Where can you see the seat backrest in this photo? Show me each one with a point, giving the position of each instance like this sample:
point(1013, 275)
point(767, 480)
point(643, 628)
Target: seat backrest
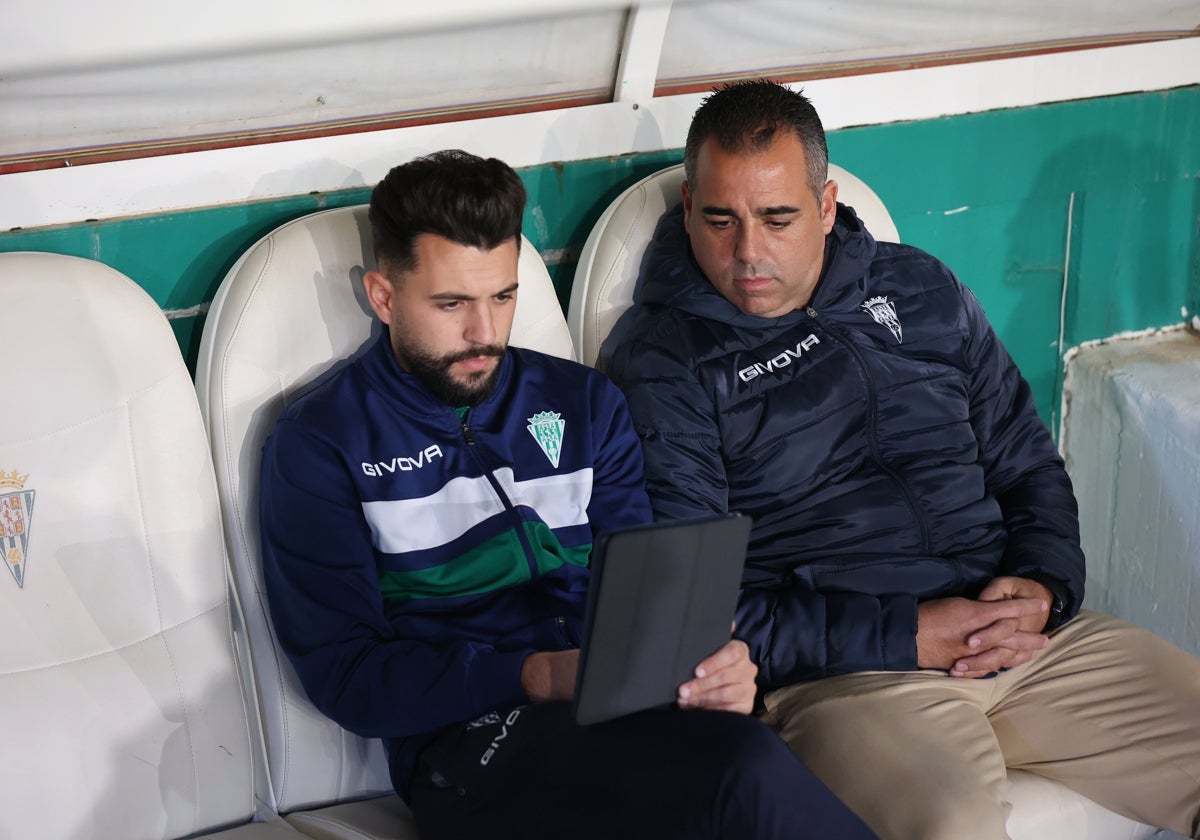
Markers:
point(123, 714)
point(290, 309)
point(612, 255)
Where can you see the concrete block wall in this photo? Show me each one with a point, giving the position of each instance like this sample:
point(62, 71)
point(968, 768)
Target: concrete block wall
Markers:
point(1131, 438)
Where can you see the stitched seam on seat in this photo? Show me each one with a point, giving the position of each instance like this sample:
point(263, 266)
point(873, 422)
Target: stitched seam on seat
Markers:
point(115, 650)
point(141, 512)
point(608, 275)
point(121, 406)
point(330, 821)
point(281, 785)
point(230, 462)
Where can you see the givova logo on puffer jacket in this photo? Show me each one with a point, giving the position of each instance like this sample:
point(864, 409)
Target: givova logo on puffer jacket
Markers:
point(776, 362)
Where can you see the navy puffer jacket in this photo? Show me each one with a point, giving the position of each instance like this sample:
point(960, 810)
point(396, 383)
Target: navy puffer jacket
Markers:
point(886, 458)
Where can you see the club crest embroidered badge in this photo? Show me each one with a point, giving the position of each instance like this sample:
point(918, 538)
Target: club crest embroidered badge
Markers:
point(547, 429)
point(16, 516)
point(884, 313)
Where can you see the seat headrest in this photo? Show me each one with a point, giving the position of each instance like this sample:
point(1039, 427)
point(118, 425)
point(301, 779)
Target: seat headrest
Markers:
point(300, 305)
point(79, 330)
point(612, 255)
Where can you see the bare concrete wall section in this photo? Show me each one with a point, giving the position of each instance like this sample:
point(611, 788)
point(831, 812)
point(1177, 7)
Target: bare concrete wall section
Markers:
point(1131, 439)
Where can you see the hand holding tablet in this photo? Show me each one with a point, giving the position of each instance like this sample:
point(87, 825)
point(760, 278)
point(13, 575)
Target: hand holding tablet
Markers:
point(661, 600)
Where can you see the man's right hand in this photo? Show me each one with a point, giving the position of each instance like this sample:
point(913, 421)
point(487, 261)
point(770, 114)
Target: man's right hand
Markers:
point(989, 632)
point(550, 675)
point(723, 681)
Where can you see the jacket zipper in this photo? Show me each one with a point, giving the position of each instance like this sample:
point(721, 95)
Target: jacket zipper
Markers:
point(872, 440)
point(530, 559)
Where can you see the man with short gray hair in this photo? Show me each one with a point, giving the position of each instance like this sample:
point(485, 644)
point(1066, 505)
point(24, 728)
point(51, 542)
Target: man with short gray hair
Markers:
point(913, 584)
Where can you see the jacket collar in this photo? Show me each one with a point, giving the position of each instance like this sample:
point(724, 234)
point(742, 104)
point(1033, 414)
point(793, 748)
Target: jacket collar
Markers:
point(671, 276)
point(385, 373)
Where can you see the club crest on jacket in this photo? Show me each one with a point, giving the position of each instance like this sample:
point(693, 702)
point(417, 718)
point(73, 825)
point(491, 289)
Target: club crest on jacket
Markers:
point(547, 429)
point(884, 313)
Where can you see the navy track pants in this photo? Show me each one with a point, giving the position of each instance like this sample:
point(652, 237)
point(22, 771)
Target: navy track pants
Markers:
point(531, 772)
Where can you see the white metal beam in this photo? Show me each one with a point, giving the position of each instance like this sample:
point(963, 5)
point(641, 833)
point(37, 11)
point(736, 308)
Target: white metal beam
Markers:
point(228, 176)
point(637, 70)
point(55, 35)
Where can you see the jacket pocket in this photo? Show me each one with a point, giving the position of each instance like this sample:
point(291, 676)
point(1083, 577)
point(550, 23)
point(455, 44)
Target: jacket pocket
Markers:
point(925, 577)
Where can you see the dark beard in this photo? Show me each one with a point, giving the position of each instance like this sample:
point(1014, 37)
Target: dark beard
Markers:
point(434, 373)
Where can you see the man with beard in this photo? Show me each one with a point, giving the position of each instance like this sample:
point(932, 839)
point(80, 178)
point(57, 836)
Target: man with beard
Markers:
point(427, 515)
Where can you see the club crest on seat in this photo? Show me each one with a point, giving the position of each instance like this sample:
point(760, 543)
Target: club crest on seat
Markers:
point(16, 516)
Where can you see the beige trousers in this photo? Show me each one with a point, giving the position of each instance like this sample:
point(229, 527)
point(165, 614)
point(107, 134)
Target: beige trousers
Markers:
point(1107, 709)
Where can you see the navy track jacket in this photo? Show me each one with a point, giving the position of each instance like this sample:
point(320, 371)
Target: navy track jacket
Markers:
point(882, 438)
point(412, 560)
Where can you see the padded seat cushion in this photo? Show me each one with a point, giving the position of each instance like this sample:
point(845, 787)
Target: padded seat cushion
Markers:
point(123, 711)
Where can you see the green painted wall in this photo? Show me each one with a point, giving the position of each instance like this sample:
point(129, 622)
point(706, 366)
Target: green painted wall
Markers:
point(1126, 172)
point(1002, 197)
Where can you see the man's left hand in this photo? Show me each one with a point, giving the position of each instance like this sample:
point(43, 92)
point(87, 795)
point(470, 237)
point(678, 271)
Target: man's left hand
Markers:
point(1015, 587)
point(723, 681)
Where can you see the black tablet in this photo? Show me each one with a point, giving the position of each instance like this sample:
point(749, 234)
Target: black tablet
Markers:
point(661, 599)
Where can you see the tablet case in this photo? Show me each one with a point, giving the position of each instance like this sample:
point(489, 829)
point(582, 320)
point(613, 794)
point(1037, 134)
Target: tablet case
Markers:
point(661, 599)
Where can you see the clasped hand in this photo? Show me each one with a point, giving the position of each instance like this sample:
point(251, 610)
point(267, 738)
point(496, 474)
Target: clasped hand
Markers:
point(1000, 629)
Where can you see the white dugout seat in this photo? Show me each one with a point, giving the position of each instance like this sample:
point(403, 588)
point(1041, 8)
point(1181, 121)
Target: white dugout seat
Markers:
point(612, 255)
point(123, 712)
point(603, 290)
point(291, 308)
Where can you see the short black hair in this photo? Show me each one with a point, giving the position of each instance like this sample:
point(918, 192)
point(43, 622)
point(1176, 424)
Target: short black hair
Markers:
point(747, 116)
point(453, 194)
